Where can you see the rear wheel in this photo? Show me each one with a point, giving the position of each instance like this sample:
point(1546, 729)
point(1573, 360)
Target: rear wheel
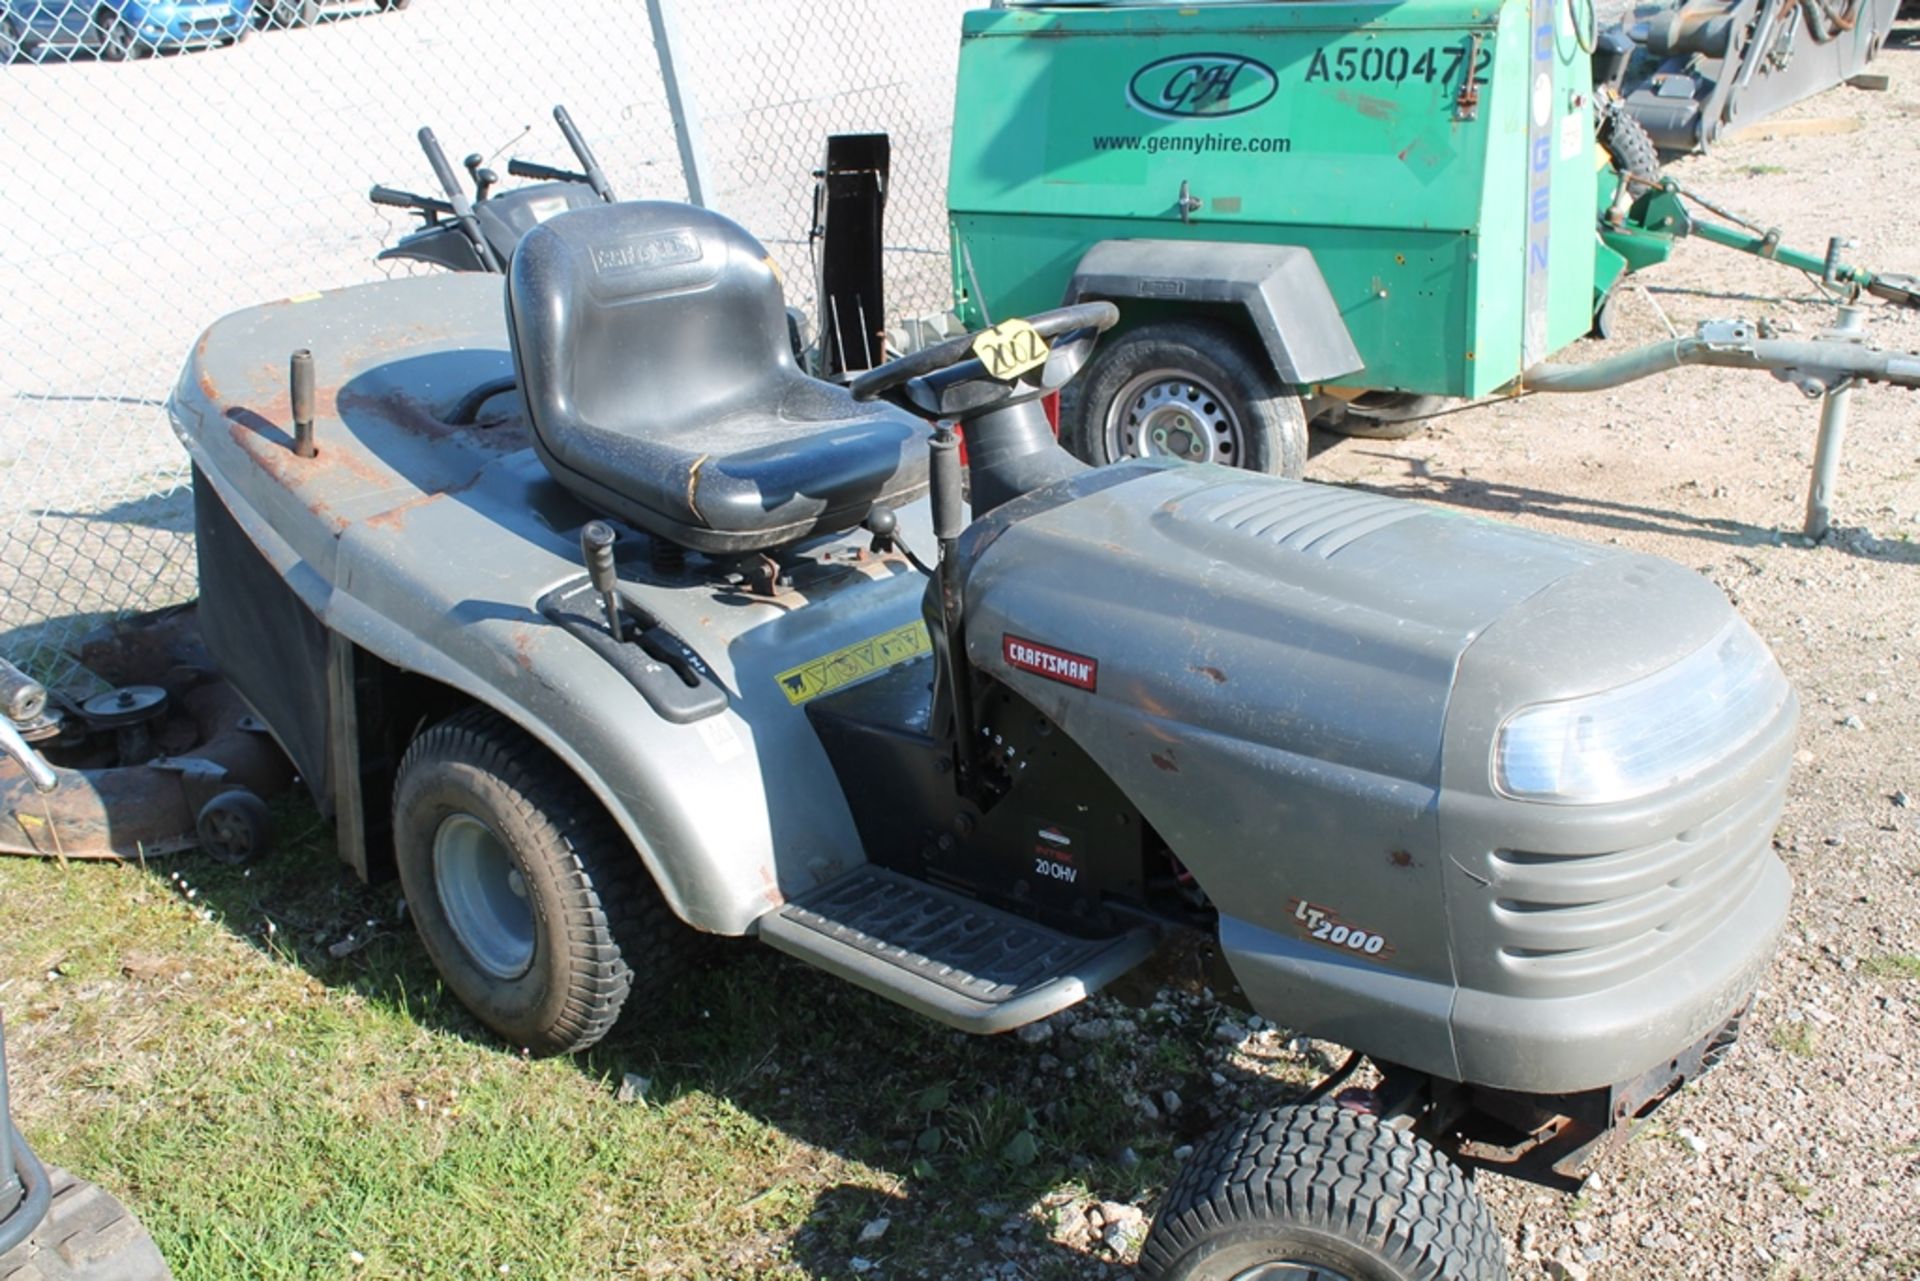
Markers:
point(1193, 390)
point(534, 907)
point(1318, 1193)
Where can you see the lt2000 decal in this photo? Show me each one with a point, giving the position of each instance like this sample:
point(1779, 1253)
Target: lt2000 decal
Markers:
point(1323, 925)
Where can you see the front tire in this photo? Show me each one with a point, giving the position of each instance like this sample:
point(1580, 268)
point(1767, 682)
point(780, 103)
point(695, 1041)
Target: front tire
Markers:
point(1198, 391)
point(535, 908)
point(1327, 1191)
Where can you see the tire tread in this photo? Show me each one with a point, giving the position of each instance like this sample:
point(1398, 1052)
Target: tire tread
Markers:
point(1319, 1166)
point(624, 941)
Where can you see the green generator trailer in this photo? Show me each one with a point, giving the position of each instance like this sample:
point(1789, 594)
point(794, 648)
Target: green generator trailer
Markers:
point(1305, 210)
point(1429, 167)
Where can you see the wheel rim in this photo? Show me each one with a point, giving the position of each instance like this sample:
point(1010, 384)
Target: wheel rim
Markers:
point(484, 896)
point(1169, 413)
point(1288, 1270)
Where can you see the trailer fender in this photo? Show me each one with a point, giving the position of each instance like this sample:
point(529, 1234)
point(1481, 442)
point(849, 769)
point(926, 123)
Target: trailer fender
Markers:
point(1279, 287)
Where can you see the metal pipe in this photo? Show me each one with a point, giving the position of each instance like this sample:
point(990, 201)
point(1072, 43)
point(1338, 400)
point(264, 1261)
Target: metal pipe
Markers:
point(668, 45)
point(23, 1172)
point(1833, 433)
point(22, 698)
point(30, 760)
point(1824, 362)
point(300, 395)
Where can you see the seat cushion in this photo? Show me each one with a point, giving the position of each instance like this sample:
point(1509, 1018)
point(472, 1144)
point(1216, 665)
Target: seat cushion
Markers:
point(650, 342)
point(818, 462)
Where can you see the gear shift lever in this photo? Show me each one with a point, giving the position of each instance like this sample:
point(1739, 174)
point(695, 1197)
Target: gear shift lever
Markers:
point(596, 548)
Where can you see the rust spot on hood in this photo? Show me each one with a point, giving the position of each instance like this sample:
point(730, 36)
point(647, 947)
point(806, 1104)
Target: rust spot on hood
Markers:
point(1166, 762)
point(1213, 674)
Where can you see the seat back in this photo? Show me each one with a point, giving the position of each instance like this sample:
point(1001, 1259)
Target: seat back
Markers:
point(646, 308)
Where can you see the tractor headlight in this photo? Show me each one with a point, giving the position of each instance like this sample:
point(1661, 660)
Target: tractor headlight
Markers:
point(1640, 737)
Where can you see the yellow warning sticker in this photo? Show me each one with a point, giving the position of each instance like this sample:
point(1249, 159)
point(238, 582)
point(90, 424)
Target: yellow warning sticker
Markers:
point(856, 662)
point(1010, 349)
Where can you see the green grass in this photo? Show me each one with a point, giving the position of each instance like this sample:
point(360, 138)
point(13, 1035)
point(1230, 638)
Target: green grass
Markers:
point(1900, 965)
point(1795, 1038)
point(271, 1110)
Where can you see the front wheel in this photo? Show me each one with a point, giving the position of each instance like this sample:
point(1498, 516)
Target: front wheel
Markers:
point(1318, 1192)
point(1196, 391)
point(535, 908)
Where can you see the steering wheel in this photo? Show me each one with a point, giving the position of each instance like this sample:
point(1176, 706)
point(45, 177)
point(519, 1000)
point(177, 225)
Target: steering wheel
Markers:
point(1097, 316)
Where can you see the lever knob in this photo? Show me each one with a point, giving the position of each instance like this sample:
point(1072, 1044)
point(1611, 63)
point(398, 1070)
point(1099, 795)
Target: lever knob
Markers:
point(882, 522)
point(596, 549)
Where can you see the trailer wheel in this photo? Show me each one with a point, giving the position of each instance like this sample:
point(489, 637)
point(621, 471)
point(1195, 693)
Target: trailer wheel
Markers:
point(535, 908)
point(1186, 389)
point(1316, 1191)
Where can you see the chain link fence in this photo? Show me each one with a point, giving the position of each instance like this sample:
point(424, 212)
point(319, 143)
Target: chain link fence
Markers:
point(152, 185)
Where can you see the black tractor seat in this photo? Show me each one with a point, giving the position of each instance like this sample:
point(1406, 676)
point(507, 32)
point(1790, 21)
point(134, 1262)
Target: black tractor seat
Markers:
point(650, 342)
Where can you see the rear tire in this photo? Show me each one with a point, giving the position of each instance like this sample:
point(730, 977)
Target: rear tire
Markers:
point(1322, 1187)
point(1190, 389)
point(535, 908)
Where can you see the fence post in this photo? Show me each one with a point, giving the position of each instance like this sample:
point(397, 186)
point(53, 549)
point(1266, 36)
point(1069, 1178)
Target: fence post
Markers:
point(686, 116)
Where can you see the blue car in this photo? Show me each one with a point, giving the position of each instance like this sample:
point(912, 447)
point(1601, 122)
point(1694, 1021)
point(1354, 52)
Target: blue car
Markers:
point(117, 29)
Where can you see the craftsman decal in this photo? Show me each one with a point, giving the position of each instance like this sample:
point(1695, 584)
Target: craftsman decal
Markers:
point(1323, 925)
point(1201, 84)
point(856, 662)
point(1060, 665)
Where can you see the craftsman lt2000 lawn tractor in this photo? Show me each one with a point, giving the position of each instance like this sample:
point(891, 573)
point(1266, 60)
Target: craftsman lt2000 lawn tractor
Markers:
point(606, 622)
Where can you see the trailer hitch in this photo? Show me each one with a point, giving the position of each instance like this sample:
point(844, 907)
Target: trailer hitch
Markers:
point(1824, 368)
point(1661, 210)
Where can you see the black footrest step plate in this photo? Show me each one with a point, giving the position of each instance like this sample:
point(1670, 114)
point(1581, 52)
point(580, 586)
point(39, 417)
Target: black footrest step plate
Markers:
point(969, 965)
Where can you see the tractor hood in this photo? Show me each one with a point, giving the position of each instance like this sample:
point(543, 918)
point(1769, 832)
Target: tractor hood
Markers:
point(1302, 688)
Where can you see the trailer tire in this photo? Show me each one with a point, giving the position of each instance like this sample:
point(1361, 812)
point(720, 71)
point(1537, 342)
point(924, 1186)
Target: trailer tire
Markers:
point(1229, 405)
point(1629, 143)
point(533, 905)
point(1323, 1187)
